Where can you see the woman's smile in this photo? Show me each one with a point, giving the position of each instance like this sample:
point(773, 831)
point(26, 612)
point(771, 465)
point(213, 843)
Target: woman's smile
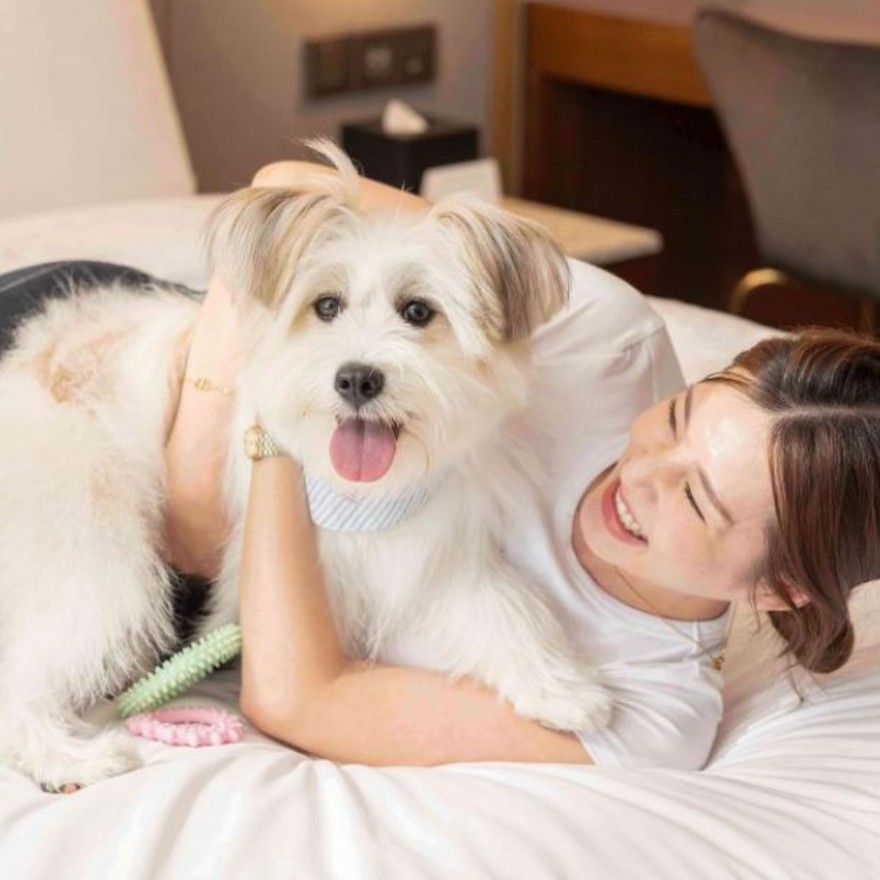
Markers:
point(618, 517)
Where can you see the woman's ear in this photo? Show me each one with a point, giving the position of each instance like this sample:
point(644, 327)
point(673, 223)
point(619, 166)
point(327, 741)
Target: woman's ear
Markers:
point(767, 599)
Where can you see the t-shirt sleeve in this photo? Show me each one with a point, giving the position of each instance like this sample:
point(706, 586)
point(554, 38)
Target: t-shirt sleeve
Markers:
point(666, 717)
point(598, 364)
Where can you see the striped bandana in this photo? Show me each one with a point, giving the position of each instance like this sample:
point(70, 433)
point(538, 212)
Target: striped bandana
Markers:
point(333, 510)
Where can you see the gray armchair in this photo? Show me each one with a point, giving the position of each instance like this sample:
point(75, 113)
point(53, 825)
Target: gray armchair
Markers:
point(802, 117)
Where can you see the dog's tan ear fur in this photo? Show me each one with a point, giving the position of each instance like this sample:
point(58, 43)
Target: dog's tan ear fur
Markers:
point(256, 236)
point(513, 260)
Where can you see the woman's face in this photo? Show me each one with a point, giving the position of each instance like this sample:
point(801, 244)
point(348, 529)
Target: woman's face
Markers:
point(686, 507)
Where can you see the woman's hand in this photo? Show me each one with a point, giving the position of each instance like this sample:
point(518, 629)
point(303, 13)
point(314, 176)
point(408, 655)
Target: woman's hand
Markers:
point(196, 525)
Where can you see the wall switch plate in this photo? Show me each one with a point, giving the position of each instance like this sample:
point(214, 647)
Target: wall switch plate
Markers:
point(370, 60)
point(328, 67)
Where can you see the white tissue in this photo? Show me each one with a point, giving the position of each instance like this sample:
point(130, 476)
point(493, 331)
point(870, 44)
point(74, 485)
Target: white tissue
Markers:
point(400, 118)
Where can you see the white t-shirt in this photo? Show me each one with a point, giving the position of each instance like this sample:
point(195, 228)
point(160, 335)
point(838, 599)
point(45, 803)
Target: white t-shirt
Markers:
point(599, 364)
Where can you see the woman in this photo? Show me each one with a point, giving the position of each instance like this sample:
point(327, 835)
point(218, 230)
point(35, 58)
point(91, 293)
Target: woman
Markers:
point(759, 486)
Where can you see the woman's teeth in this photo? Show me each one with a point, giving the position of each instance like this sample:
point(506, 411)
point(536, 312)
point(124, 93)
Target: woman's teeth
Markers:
point(626, 518)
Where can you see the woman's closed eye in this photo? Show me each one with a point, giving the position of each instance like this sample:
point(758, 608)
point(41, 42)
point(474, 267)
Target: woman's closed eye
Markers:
point(673, 426)
point(673, 422)
point(690, 497)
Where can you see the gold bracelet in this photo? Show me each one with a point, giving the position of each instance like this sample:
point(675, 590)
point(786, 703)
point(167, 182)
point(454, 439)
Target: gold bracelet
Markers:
point(200, 383)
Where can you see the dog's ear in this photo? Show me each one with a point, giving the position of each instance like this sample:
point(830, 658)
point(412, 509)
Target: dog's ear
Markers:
point(256, 236)
point(514, 260)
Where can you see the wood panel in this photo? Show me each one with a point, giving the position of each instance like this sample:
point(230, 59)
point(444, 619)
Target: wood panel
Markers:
point(651, 163)
point(639, 147)
point(506, 76)
point(627, 55)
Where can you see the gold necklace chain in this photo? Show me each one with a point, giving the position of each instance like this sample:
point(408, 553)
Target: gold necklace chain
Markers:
point(717, 659)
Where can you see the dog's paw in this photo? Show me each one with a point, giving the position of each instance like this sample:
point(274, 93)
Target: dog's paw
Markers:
point(81, 762)
point(569, 706)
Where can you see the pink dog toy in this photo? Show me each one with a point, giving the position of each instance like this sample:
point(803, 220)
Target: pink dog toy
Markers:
point(187, 726)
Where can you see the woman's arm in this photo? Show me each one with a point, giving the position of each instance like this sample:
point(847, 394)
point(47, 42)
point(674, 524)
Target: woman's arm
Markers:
point(298, 685)
point(196, 525)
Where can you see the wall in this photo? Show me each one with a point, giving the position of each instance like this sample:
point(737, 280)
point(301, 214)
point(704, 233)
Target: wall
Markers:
point(237, 71)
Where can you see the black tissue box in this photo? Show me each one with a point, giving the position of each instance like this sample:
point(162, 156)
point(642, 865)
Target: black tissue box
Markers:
point(400, 159)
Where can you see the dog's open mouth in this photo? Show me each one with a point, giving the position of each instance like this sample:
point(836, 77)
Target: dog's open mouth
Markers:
point(363, 450)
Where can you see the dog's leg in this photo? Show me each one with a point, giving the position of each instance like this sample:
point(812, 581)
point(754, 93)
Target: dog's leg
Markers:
point(504, 635)
point(84, 597)
point(68, 642)
point(59, 658)
point(78, 631)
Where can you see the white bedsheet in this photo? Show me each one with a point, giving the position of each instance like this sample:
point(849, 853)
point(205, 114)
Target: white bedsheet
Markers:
point(791, 791)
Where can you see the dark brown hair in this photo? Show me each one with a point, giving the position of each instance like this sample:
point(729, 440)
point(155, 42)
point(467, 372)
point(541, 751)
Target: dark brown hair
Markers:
point(822, 389)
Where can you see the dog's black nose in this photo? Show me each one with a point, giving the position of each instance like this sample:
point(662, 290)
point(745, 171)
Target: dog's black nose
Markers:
point(359, 383)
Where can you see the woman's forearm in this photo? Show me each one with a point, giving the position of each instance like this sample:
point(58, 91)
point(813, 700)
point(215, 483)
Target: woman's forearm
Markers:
point(291, 649)
point(195, 450)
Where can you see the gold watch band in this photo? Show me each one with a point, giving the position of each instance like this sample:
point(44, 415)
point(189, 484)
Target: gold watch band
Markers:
point(259, 444)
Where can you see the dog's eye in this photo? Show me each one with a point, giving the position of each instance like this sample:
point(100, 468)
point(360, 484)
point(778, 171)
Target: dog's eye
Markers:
point(417, 313)
point(327, 307)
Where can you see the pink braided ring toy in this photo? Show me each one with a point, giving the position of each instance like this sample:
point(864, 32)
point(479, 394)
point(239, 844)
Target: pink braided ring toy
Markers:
point(187, 726)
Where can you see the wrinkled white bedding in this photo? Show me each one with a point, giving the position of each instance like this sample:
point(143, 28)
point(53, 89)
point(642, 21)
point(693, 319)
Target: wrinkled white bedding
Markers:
point(791, 791)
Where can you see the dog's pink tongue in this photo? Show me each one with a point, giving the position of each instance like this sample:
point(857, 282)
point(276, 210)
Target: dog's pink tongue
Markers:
point(362, 451)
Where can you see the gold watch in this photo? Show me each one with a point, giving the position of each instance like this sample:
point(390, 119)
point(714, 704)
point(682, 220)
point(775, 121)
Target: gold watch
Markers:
point(259, 444)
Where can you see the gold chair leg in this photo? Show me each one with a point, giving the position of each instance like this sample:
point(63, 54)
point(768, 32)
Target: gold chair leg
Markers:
point(749, 283)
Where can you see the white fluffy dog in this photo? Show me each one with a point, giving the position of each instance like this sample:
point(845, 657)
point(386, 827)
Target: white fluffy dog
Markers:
point(386, 352)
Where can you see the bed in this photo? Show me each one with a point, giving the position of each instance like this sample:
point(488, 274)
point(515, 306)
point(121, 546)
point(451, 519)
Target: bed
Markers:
point(791, 790)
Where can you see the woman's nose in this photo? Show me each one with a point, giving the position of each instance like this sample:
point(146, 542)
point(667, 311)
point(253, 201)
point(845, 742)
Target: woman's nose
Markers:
point(646, 471)
point(642, 465)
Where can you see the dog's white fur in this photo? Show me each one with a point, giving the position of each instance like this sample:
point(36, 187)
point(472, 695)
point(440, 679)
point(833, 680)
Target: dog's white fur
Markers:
point(84, 594)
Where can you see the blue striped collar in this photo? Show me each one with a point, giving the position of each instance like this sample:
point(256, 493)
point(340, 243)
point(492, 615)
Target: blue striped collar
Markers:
point(338, 512)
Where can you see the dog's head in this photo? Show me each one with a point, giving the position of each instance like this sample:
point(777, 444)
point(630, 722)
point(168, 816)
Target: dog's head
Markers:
point(382, 345)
